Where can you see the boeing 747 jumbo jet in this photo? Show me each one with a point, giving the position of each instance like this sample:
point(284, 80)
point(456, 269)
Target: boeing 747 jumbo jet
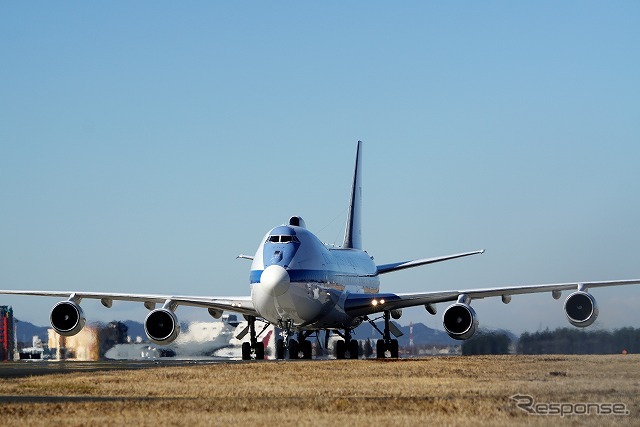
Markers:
point(304, 286)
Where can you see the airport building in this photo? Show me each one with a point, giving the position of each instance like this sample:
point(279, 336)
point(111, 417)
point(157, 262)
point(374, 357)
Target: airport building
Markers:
point(7, 334)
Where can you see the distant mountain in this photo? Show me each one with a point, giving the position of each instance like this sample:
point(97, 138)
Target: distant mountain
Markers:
point(422, 334)
point(25, 332)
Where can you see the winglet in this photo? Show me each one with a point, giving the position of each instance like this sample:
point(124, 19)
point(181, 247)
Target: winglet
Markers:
point(353, 231)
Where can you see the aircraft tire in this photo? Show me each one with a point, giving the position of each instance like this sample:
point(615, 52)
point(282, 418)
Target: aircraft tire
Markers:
point(306, 349)
point(340, 349)
point(280, 349)
point(246, 351)
point(293, 349)
point(354, 349)
point(393, 348)
point(380, 349)
point(259, 351)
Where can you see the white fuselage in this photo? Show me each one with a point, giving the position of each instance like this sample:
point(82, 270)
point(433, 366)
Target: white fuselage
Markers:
point(297, 279)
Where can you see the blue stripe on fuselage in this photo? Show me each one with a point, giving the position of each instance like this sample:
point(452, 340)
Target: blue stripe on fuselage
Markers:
point(321, 276)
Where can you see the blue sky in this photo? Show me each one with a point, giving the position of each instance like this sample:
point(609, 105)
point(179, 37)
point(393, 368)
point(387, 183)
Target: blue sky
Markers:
point(143, 146)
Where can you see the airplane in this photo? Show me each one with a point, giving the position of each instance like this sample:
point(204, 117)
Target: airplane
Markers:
point(202, 340)
point(304, 286)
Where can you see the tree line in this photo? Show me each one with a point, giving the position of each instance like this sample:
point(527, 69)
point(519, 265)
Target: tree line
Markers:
point(559, 341)
point(578, 341)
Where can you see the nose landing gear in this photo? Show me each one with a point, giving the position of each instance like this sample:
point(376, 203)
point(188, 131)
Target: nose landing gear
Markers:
point(294, 349)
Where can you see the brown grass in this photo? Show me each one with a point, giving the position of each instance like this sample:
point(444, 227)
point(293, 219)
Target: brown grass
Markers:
point(439, 390)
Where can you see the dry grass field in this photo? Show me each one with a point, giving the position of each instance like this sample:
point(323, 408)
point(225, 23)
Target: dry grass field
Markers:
point(437, 391)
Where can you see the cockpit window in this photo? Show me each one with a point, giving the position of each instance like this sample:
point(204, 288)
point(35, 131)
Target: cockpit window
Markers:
point(283, 239)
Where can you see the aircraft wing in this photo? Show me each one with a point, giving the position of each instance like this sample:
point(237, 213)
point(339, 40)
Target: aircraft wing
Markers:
point(242, 305)
point(363, 304)
point(388, 268)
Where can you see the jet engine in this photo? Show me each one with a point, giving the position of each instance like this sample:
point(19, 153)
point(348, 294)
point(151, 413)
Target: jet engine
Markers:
point(581, 309)
point(460, 321)
point(67, 318)
point(161, 326)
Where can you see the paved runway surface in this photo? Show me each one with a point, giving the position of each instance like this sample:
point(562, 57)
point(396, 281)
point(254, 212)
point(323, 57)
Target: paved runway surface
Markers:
point(25, 369)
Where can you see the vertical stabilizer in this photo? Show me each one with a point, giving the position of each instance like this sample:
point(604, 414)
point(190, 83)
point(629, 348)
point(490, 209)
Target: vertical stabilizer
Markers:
point(353, 232)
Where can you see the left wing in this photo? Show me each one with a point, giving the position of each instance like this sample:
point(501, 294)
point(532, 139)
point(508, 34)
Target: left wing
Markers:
point(241, 305)
point(363, 304)
point(388, 268)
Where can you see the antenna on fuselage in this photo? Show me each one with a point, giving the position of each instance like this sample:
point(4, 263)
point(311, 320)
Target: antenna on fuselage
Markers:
point(353, 231)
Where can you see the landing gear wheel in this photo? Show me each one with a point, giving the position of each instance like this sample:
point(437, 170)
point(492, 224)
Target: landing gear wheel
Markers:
point(306, 349)
point(383, 347)
point(280, 349)
point(259, 351)
point(393, 348)
point(293, 349)
point(340, 349)
point(353, 349)
point(380, 349)
point(246, 351)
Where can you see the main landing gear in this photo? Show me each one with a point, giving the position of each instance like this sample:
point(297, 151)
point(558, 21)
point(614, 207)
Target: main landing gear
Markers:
point(387, 348)
point(347, 348)
point(252, 349)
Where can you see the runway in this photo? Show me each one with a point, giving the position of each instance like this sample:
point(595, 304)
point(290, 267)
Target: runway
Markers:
point(37, 368)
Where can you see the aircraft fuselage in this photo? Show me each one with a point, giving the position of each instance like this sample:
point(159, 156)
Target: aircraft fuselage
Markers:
point(298, 279)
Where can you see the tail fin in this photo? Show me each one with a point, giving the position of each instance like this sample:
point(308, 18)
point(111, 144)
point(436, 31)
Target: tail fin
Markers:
point(353, 232)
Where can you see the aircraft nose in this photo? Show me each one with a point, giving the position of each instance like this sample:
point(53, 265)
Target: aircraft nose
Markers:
point(275, 280)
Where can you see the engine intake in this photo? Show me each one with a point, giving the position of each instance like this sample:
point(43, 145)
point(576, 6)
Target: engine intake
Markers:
point(581, 309)
point(67, 318)
point(460, 321)
point(161, 326)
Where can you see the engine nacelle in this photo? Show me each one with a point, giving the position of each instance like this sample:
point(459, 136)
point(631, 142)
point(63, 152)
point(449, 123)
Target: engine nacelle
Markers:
point(460, 321)
point(581, 309)
point(161, 326)
point(67, 318)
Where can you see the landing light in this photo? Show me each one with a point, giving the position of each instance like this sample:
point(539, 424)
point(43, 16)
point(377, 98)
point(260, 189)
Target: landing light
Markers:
point(375, 302)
